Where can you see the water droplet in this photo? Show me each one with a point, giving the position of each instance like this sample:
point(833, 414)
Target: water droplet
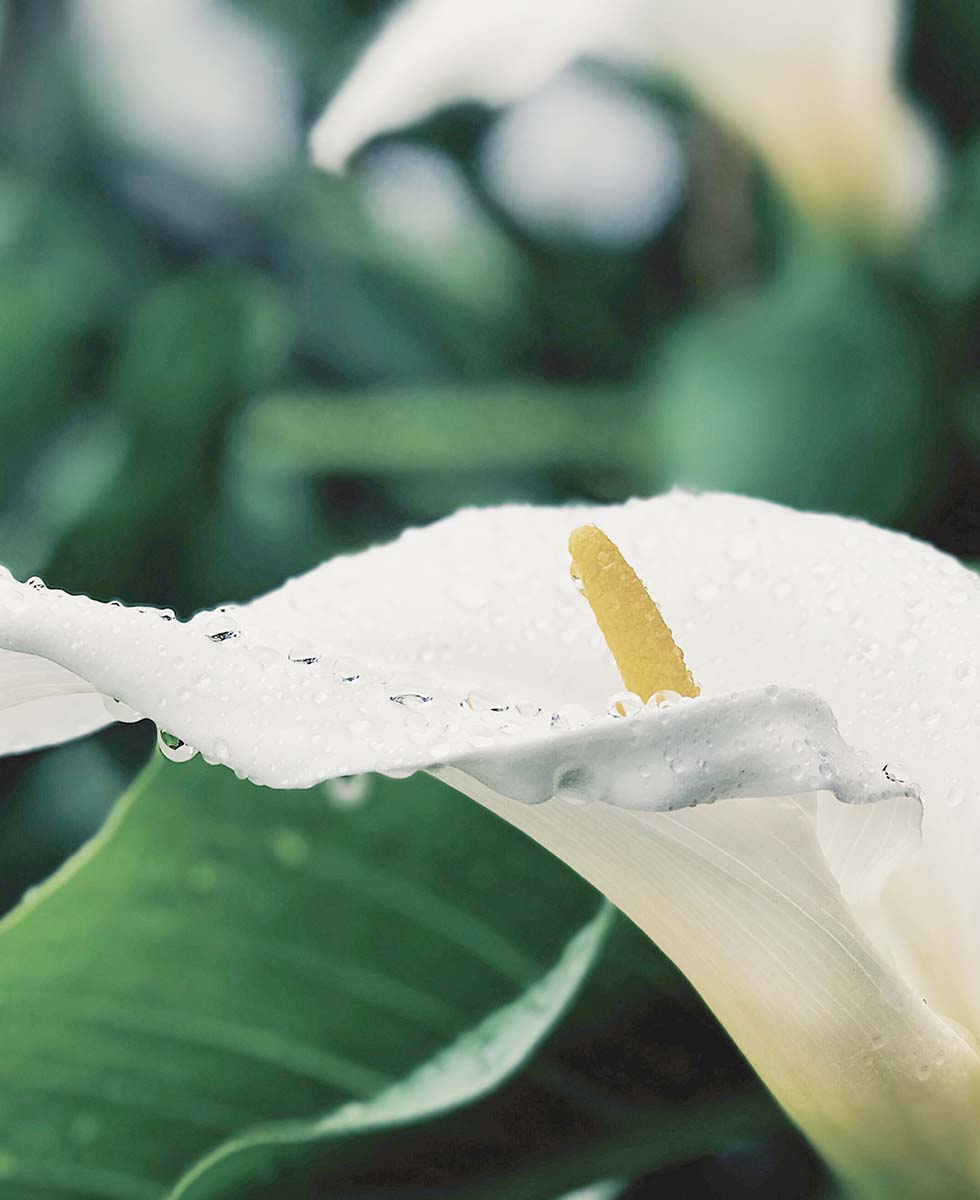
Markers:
point(223, 627)
point(304, 657)
point(411, 699)
point(570, 716)
point(120, 711)
point(289, 847)
point(676, 764)
point(896, 772)
point(664, 699)
point(173, 747)
point(527, 711)
point(483, 702)
point(624, 704)
point(346, 670)
point(966, 674)
point(202, 682)
point(956, 795)
point(37, 583)
point(923, 1071)
point(931, 717)
point(167, 614)
point(348, 791)
point(219, 750)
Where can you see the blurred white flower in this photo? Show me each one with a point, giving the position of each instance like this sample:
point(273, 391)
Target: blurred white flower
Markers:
point(829, 921)
point(810, 84)
point(419, 195)
point(194, 82)
point(586, 159)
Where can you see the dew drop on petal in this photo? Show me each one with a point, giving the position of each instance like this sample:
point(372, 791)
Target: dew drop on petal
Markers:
point(483, 702)
point(570, 716)
point(348, 791)
point(897, 772)
point(120, 711)
point(956, 795)
point(966, 674)
point(173, 748)
point(411, 699)
point(346, 670)
point(624, 704)
point(223, 627)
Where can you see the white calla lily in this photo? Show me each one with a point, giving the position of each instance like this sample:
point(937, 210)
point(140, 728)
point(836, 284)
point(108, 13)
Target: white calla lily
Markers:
point(810, 84)
point(763, 833)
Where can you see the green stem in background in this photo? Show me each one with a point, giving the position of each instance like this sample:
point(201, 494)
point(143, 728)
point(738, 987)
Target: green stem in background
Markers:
point(511, 426)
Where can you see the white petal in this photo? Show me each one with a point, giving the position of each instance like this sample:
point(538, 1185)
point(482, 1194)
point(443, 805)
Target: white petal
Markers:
point(741, 898)
point(433, 52)
point(808, 83)
point(42, 704)
point(480, 609)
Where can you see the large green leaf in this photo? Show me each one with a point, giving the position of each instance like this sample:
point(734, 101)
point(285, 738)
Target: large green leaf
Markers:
point(467, 1069)
point(225, 970)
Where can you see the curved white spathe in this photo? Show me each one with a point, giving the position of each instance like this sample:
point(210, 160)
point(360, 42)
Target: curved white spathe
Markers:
point(767, 834)
point(809, 84)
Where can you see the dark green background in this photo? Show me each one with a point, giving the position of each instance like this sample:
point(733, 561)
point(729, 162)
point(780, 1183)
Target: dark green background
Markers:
point(191, 409)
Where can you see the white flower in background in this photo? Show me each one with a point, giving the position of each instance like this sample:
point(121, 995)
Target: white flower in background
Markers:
point(586, 158)
point(810, 84)
point(193, 81)
point(773, 851)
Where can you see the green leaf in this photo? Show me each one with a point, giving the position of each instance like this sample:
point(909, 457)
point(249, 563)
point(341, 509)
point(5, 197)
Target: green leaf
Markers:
point(222, 956)
point(472, 1066)
point(225, 970)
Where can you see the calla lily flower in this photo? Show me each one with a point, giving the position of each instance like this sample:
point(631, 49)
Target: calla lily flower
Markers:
point(774, 770)
point(809, 84)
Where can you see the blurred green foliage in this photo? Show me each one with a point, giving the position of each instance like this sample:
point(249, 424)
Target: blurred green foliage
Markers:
point(204, 388)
